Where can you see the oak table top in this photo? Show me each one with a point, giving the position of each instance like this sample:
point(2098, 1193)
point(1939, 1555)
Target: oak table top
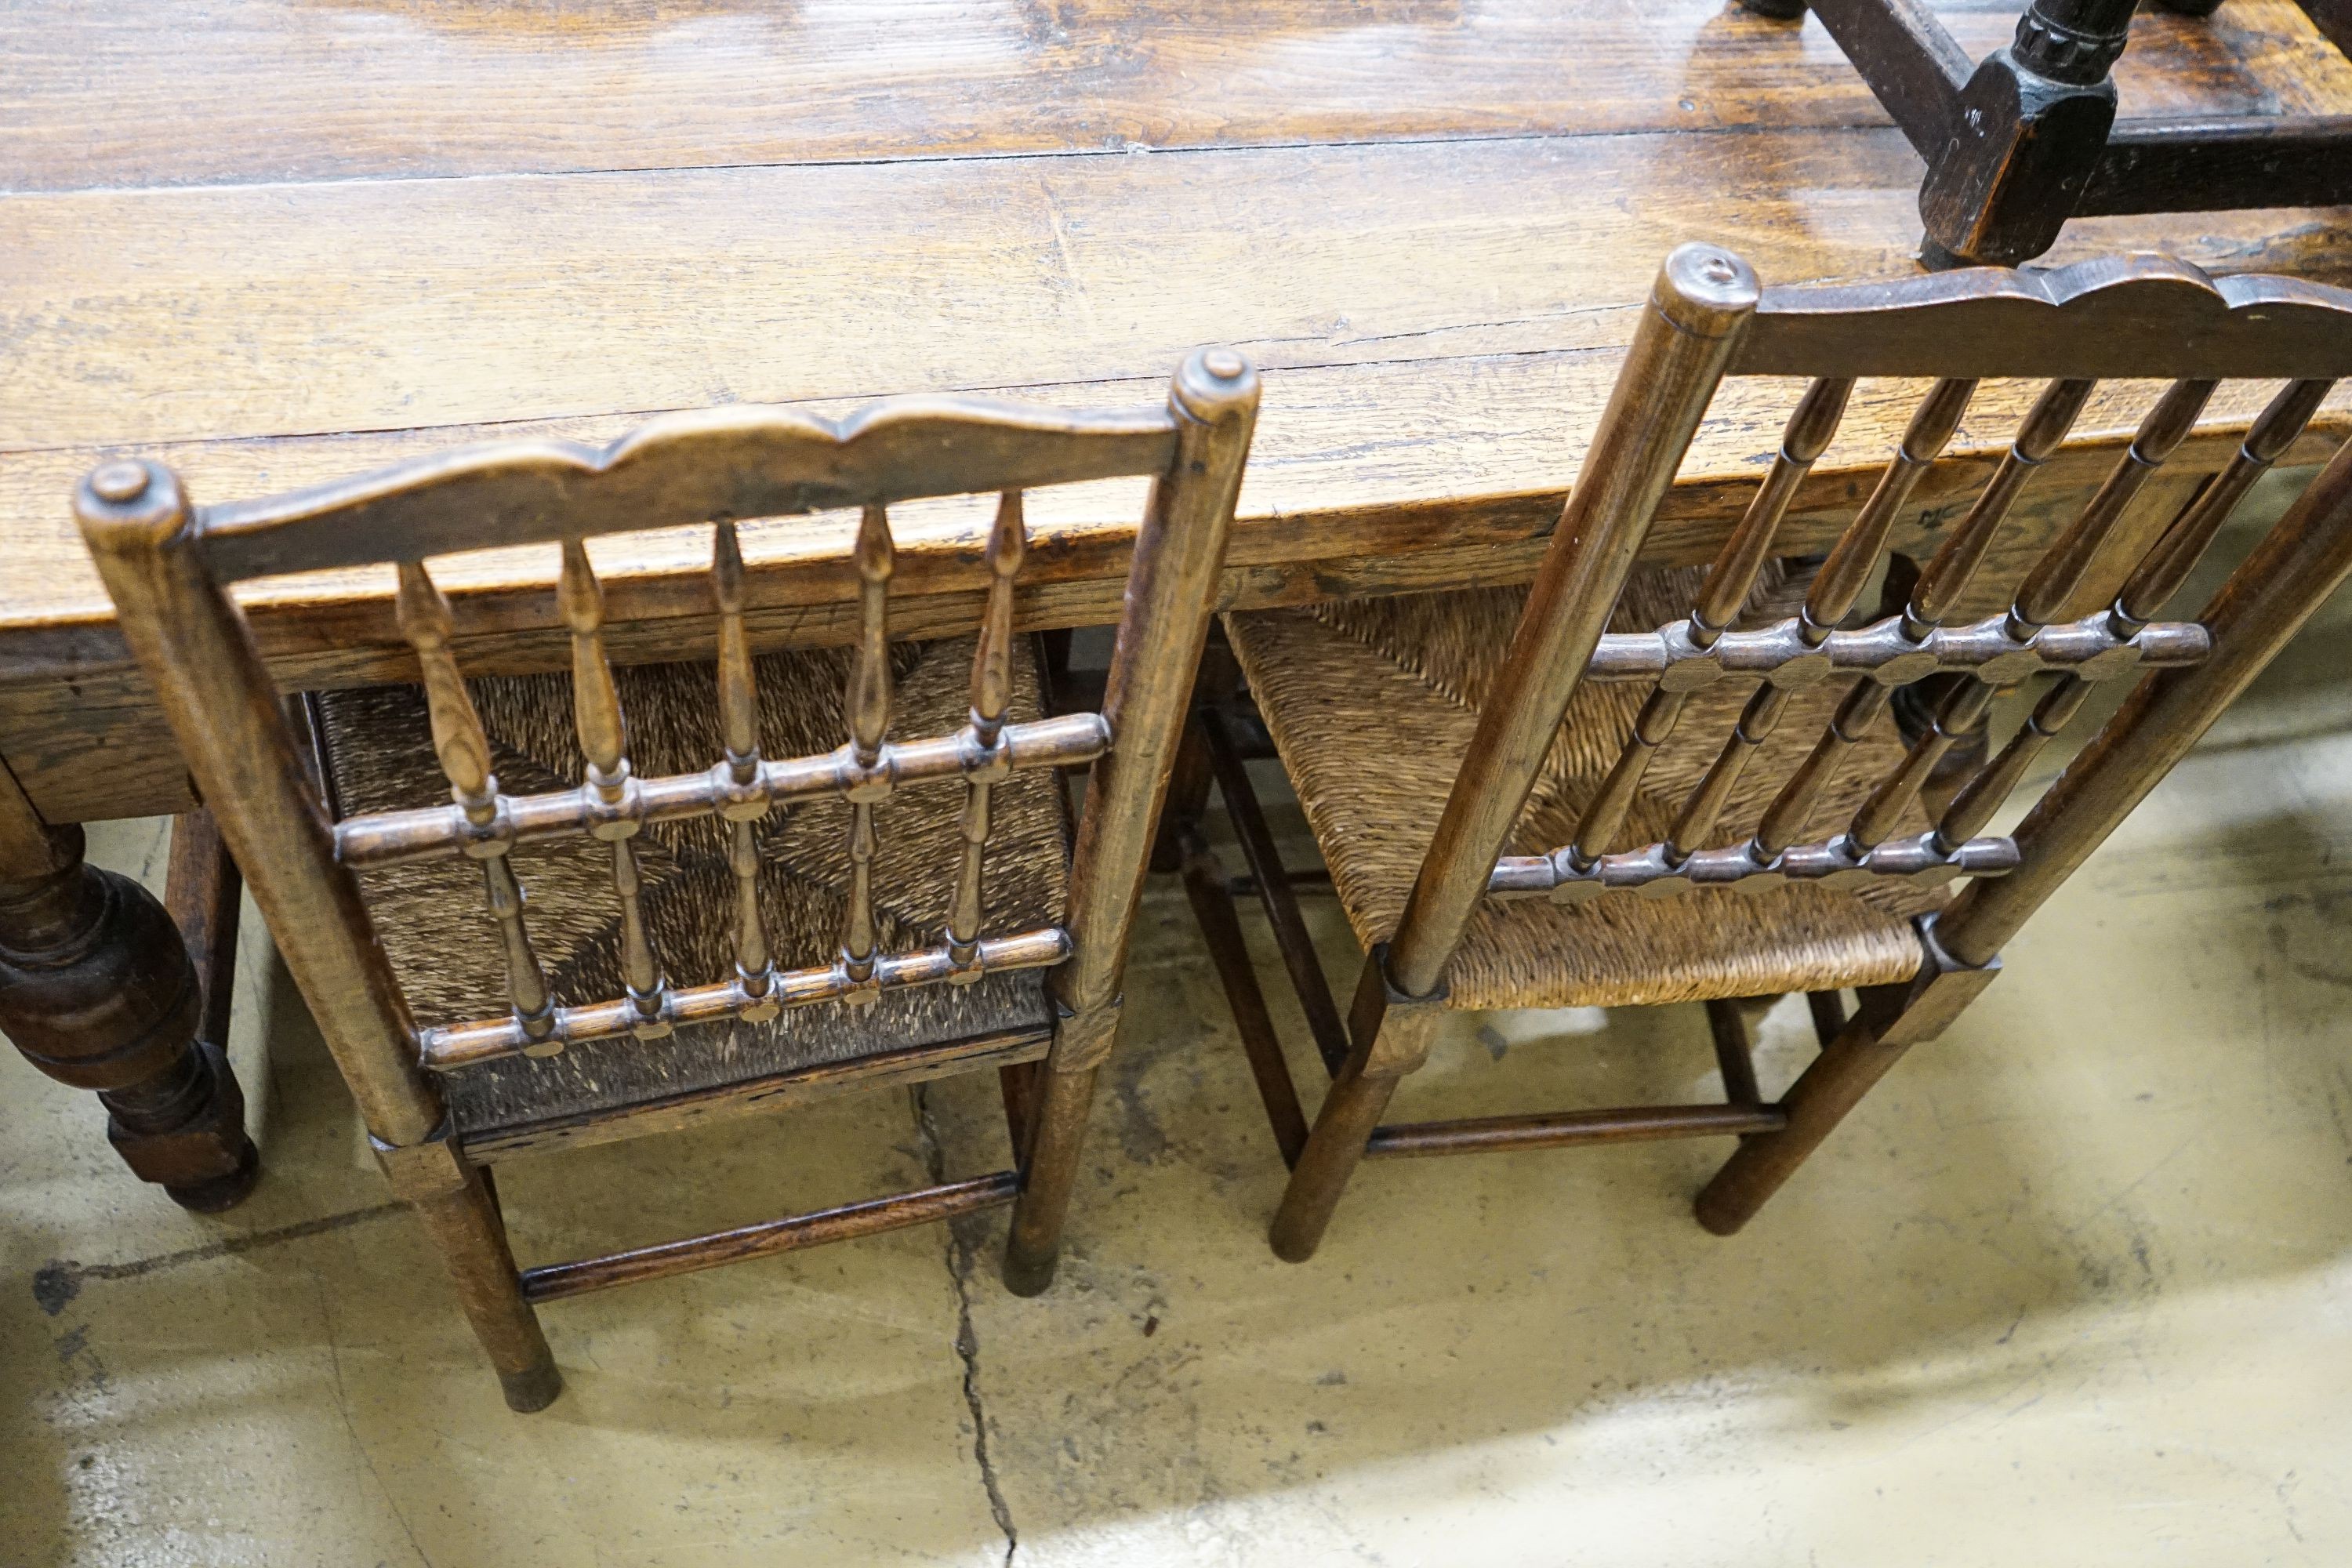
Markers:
point(303, 241)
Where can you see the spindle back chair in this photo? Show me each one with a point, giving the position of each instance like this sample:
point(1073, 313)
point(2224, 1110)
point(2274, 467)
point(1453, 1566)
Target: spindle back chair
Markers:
point(169, 565)
point(1796, 791)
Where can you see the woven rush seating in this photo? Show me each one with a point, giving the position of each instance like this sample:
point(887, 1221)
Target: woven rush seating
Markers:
point(1373, 702)
point(378, 751)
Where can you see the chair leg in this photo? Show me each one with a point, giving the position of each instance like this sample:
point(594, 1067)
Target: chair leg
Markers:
point(1342, 1127)
point(1212, 908)
point(1189, 776)
point(1056, 1137)
point(1188, 796)
point(1391, 1031)
point(1815, 1104)
point(452, 1196)
point(1890, 1020)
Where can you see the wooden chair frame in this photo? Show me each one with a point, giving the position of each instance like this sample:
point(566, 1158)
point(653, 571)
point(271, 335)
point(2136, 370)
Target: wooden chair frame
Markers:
point(2133, 317)
point(169, 565)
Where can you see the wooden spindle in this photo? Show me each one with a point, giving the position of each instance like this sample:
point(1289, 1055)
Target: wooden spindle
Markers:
point(1604, 815)
point(1855, 556)
point(869, 677)
point(595, 700)
point(1841, 577)
point(738, 705)
point(457, 737)
point(992, 691)
point(1792, 810)
point(745, 803)
point(605, 743)
point(1949, 571)
point(465, 752)
point(1729, 580)
point(1955, 717)
point(2176, 554)
point(1733, 577)
point(2060, 573)
point(1940, 585)
point(869, 710)
point(1705, 807)
point(1982, 795)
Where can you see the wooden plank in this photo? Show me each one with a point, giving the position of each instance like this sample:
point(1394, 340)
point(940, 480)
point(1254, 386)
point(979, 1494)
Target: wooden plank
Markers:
point(395, 308)
point(327, 309)
point(292, 91)
point(78, 727)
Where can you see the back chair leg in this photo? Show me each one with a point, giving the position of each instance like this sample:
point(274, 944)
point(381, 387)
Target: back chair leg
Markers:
point(1889, 1022)
point(1212, 908)
point(1188, 796)
point(1190, 775)
point(1391, 1031)
point(1342, 1128)
point(1056, 1137)
point(452, 1196)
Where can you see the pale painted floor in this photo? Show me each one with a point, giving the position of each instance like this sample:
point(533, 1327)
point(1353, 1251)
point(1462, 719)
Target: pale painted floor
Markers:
point(2075, 1285)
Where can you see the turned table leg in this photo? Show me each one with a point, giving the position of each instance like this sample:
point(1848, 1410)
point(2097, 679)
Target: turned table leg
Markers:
point(2031, 126)
point(98, 990)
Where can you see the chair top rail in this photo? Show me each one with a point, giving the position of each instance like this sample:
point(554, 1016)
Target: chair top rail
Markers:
point(679, 469)
point(2122, 316)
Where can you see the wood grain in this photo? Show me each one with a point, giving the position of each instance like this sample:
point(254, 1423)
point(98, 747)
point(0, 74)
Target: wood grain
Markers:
point(1466, 297)
point(338, 308)
point(79, 728)
point(349, 89)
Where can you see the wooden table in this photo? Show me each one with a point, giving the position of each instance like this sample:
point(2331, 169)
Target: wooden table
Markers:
point(271, 242)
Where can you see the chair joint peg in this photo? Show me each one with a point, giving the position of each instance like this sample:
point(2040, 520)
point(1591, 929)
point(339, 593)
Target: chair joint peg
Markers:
point(429, 1168)
point(1391, 1028)
point(1083, 1039)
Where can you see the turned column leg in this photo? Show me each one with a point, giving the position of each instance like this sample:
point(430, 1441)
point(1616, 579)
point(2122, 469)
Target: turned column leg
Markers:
point(98, 991)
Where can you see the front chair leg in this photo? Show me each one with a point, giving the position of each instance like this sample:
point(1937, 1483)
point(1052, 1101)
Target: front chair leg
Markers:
point(1890, 1021)
point(452, 1197)
point(1391, 1034)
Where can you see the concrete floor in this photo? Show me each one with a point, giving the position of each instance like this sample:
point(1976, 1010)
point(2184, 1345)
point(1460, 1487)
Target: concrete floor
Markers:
point(2076, 1280)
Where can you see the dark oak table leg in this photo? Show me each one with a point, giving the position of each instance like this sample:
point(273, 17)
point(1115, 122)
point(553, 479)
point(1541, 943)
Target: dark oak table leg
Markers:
point(98, 990)
point(2022, 141)
point(2031, 126)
